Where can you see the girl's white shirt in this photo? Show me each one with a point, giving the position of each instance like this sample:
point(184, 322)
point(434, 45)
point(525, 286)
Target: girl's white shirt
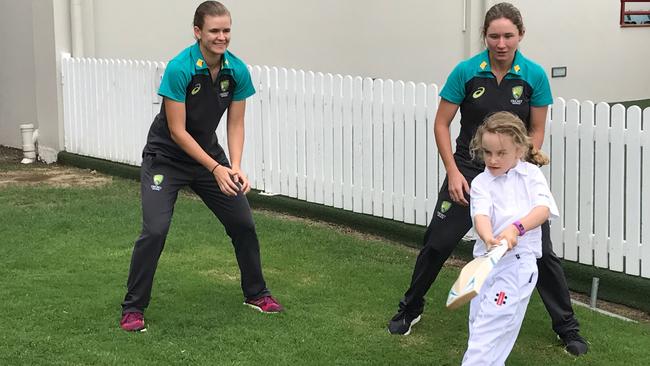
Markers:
point(509, 197)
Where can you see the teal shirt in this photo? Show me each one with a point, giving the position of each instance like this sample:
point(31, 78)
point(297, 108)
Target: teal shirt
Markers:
point(473, 87)
point(479, 67)
point(187, 80)
point(190, 62)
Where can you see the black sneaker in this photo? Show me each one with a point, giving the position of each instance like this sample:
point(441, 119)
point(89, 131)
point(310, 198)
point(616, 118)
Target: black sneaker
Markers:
point(574, 343)
point(402, 322)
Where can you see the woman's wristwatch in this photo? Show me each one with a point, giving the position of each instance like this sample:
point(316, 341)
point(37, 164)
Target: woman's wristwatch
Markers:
point(520, 227)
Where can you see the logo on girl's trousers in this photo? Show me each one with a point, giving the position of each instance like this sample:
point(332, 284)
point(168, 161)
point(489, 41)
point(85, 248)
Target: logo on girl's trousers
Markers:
point(157, 181)
point(444, 207)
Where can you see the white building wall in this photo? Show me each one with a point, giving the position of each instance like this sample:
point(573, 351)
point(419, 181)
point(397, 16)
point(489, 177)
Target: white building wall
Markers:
point(51, 20)
point(605, 63)
point(32, 36)
point(388, 39)
point(417, 40)
point(409, 40)
point(17, 89)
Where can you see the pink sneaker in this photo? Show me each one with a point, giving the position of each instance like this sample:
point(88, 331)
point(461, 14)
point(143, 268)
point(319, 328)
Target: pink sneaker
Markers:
point(265, 304)
point(132, 322)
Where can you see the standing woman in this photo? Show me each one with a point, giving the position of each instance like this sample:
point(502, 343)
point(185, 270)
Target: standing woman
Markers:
point(497, 79)
point(199, 85)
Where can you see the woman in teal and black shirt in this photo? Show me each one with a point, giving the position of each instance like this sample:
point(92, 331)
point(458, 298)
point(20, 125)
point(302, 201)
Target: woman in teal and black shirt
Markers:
point(497, 79)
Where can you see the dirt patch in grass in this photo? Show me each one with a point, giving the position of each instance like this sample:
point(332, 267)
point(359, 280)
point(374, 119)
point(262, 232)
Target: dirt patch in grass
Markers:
point(55, 176)
point(617, 309)
point(10, 155)
point(13, 173)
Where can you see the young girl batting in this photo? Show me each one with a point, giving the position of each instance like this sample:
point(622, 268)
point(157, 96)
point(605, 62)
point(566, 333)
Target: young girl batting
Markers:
point(509, 200)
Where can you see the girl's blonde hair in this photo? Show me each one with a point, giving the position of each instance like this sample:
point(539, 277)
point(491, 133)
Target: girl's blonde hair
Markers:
point(508, 124)
point(212, 8)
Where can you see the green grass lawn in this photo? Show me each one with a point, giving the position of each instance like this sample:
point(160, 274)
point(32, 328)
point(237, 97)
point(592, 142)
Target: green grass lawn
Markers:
point(64, 257)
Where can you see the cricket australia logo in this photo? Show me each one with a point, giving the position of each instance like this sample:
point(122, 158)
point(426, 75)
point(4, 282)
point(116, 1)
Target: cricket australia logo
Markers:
point(517, 91)
point(224, 84)
point(444, 207)
point(157, 181)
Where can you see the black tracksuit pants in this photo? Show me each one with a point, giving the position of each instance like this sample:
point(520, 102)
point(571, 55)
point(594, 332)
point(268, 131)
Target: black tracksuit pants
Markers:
point(158, 198)
point(443, 234)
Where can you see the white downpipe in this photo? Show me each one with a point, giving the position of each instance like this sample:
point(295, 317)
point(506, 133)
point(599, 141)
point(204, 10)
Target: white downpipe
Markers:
point(76, 20)
point(465, 15)
point(30, 137)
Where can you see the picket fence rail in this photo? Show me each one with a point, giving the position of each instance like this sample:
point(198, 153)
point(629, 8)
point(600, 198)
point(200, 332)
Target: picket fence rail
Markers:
point(366, 145)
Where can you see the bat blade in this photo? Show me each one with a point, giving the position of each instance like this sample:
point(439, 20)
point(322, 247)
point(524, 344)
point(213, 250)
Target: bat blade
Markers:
point(473, 275)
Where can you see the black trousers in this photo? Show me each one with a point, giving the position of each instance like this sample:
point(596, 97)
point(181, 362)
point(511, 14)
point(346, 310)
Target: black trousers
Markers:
point(445, 231)
point(160, 180)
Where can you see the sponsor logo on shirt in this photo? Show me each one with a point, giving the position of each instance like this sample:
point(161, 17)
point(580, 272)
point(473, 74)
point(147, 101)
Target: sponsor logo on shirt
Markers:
point(500, 298)
point(196, 89)
point(477, 94)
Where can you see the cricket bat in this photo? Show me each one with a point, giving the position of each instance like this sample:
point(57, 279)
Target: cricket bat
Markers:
point(473, 275)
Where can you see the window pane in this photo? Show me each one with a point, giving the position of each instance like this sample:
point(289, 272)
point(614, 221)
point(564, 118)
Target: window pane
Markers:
point(635, 13)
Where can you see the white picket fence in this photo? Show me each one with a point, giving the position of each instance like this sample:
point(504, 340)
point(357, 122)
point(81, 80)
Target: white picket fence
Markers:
point(367, 146)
